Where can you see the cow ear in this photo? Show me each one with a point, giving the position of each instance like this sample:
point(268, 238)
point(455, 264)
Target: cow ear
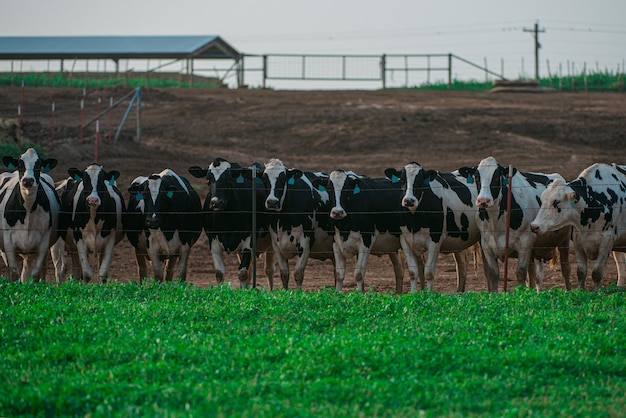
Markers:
point(198, 172)
point(293, 175)
point(393, 175)
point(111, 176)
point(319, 184)
point(10, 162)
point(573, 197)
point(468, 173)
point(75, 174)
point(431, 175)
point(48, 164)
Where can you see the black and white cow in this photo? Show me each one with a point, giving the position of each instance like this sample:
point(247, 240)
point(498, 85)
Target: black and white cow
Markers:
point(298, 218)
point(492, 182)
point(30, 213)
point(90, 221)
point(366, 214)
point(228, 217)
point(595, 206)
point(162, 222)
point(440, 217)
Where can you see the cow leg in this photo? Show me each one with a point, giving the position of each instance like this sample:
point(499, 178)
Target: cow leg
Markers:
point(361, 266)
point(38, 269)
point(283, 266)
point(217, 253)
point(398, 271)
point(244, 272)
point(83, 256)
point(340, 266)
point(169, 267)
point(414, 263)
point(523, 263)
point(142, 269)
point(105, 258)
point(620, 263)
point(460, 259)
point(431, 264)
point(581, 261)
point(598, 268)
point(538, 274)
point(57, 252)
point(181, 266)
point(269, 268)
point(566, 268)
point(492, 270)
point(304, 249)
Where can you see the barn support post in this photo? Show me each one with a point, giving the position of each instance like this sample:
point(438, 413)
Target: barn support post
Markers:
point(264, 70)
point(240, 72)
point(383, 70)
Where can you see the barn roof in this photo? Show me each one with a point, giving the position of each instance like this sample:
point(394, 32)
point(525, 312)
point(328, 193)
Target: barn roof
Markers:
point(116, 47)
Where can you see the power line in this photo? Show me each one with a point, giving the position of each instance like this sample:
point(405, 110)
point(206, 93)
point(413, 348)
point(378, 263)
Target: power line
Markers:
point(536, 32)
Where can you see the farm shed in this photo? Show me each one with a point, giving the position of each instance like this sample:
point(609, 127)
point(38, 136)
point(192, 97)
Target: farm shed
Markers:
point(146, 52)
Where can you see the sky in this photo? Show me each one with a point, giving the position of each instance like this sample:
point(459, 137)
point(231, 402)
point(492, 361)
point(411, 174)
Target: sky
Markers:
point(486, 32)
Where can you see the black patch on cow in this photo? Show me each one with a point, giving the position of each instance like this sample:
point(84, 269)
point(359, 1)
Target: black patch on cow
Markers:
point(449, 180)
point(453, 229)
point(15, 211)
point(535, 178)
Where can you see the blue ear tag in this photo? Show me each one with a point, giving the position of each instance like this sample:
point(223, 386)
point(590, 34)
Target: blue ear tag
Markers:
point(505, 181)
point(139, 196)
point(239, 179)
point(11, 166)
point(572, 203)
point(470, 179)
point(46, 169)
point(394, 179)
point(321, 188)
point(291, 181)
point(427, 181)
point(356, 190)
point(170, 194)
point(77, 178)
point(258, 180)
point(112, 182)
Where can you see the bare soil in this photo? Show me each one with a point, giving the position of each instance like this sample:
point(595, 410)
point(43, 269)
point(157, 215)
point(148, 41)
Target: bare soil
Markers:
point(363, 131)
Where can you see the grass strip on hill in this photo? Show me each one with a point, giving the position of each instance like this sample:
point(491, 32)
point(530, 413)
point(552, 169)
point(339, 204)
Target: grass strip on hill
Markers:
point(178, 350)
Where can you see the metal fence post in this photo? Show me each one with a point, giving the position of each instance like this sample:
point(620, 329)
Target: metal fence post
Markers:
point(383, 70)
point(449, 71)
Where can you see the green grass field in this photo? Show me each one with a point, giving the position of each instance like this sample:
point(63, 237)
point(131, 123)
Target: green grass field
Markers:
point(178, 350)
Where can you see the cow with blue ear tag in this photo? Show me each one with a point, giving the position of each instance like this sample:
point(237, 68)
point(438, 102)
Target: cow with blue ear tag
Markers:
point(29, 214)
point(297, 214)
point(438, 218)
point(492, 182)
point(366, 216)
point(90, 221)
point(163, 221)
point(228, 217)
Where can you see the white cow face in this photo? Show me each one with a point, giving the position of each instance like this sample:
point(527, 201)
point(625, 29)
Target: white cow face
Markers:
point(558, 205)
point(277, 179)
point(490, 178)
point(30, 167)
point(94, 181)
point(343, 188)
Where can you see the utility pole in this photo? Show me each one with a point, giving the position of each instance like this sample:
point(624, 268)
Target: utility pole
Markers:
point(536, 32)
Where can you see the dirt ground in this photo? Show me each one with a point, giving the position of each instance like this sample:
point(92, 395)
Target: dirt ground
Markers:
point(363, 131)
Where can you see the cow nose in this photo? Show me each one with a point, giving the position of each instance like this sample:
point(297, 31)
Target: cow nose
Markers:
point(272, 203)
point(152, 221)
point(337, 213)
point(535, 228)
point(93, 201)
point(408, 202)
point(483, 202)
point(28, 182)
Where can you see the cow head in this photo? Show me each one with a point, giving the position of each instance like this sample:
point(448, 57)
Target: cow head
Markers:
point(95, 182)
point(29, 166)
point(276, 178)
point(491, 180)
point(228, 182)
point(415, 180)
point(559, 204)
point(342, 188)
point(155, 196)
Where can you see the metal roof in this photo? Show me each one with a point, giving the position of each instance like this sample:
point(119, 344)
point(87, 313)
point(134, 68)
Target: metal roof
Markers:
point(115, 47)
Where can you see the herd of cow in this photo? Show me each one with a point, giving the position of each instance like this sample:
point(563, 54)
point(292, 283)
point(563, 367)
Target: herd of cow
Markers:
point(285, 213)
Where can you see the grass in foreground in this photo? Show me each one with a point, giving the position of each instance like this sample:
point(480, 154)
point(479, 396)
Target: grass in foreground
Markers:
point(177, 350)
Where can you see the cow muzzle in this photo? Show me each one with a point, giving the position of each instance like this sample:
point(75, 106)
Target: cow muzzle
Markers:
point(28, 182)
point(217, 204)
point(338, 213)
point(153, 221)
point(409, 203)
point(484, 202)
point(93, 202)
point(272, 204)
point(535, 228)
